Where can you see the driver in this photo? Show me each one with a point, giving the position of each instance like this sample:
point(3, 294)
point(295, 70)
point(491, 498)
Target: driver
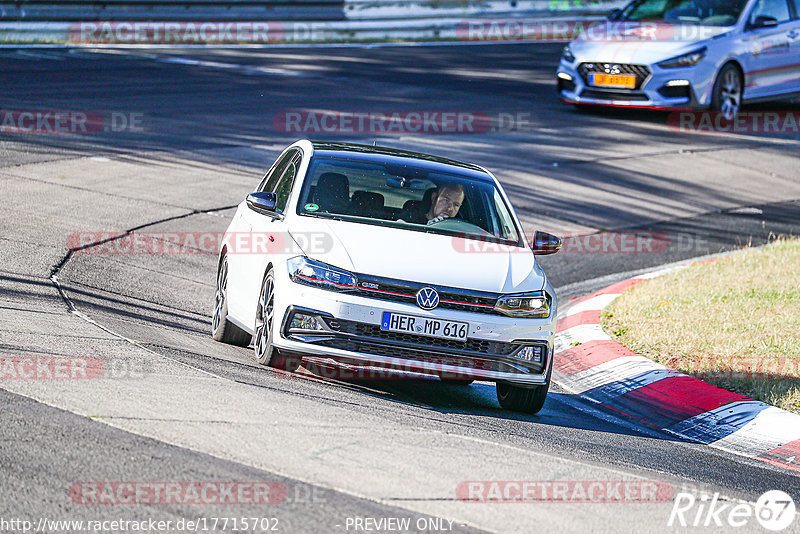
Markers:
point(446, 200)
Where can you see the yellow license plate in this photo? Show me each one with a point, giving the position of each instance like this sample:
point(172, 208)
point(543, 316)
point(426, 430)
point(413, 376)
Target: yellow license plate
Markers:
point(613, 80)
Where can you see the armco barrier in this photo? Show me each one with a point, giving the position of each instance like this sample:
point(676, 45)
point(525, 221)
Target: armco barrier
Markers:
point(54, 21)
point(179, 10)
point(288, 32)
point(395, 9)
point(316, 10)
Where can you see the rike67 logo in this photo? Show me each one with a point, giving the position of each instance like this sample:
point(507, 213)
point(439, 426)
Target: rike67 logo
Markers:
point(774, 510)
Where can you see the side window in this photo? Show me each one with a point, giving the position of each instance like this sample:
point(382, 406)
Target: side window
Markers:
point(271, 179)
point(284, 186)
point(777, 9)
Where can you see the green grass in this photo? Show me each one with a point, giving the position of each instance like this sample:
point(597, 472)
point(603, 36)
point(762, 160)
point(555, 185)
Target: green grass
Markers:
point(734, 323)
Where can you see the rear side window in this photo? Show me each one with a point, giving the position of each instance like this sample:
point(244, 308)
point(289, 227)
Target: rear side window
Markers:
point(283, 187)
point(269, 181)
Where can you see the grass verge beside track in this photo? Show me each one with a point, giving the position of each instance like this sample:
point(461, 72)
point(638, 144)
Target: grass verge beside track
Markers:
point(734, 323)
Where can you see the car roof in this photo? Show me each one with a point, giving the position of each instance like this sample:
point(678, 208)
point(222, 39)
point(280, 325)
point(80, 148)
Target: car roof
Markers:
point(396, 156)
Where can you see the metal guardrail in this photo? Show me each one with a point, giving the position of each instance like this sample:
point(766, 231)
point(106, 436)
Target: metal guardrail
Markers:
point(186, 10)
point(311, 10)
point(396, 9)
point(188, 22)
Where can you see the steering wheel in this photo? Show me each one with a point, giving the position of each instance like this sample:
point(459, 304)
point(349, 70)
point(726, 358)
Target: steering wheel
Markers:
point(459, 225)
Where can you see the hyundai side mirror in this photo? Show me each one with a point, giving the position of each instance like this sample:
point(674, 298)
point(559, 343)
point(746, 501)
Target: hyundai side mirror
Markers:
point(544, 243)
point(263, 202)
point(763, 21)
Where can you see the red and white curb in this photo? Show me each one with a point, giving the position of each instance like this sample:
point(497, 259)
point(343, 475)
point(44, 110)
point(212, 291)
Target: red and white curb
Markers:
point(588, 362)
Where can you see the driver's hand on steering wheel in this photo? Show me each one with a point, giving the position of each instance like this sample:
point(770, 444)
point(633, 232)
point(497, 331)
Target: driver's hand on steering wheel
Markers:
point(435, 220)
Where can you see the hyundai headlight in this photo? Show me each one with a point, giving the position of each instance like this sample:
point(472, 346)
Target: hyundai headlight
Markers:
point(532, 305)
point(686, 60)
point(568, 55)
point(316, 274)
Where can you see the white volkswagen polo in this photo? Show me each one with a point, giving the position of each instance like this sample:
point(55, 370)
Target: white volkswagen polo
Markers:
point(372, 256)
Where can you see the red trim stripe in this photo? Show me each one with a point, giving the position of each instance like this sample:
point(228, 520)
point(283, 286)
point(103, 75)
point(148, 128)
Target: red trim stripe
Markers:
point(671, 400)
point(585, 317)
point(620, 287)
point(588, 355)
point(787, 455)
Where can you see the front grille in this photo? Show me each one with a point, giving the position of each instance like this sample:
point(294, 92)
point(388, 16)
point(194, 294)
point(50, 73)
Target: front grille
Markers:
point(406, 292)
point(614, 95)
point(640, 71)
point(475, 346)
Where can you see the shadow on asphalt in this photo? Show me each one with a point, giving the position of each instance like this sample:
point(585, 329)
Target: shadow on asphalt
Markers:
point(475, 400)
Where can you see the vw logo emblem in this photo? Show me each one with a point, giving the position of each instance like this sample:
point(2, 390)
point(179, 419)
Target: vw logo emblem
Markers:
point(427, 298)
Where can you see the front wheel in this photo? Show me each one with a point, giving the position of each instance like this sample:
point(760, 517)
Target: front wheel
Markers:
point(728, 89)
point(266, 353)
point(520, 399)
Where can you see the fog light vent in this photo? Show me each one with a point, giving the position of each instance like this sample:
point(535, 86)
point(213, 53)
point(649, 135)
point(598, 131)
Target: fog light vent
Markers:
point(530, 354)
point(305, 322)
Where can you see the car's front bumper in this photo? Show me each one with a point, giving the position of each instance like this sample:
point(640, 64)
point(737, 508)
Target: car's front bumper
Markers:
point(658, 90)
point(352, 333)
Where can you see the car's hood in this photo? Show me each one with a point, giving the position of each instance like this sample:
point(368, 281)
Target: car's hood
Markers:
point(417, 256)
point(640, 43)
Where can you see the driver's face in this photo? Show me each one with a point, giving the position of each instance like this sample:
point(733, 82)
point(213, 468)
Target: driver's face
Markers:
point(446, 203)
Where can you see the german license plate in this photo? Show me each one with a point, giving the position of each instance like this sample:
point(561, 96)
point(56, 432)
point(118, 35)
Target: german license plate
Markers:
point(424, 326)
point(612, 80)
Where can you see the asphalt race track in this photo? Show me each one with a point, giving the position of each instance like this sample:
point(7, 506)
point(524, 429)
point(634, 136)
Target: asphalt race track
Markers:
point(178, 137)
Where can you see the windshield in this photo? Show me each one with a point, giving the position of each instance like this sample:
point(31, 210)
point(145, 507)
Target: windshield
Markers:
point(702, 12)
point(409, 197)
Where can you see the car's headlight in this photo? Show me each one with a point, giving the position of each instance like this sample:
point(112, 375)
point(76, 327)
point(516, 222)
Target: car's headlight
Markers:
point(316, 274)
point(568, 55)
point(535, 304)
point(686, 60)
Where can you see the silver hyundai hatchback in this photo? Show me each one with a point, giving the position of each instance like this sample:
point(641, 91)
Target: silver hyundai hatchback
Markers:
point(686, 54)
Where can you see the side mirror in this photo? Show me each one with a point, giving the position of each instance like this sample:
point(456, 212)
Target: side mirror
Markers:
point(614, 14)
point(263, 202)
point(544, 243)
point(763, 21)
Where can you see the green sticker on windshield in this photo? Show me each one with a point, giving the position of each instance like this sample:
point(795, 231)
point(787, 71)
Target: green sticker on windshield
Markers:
point(311, 207)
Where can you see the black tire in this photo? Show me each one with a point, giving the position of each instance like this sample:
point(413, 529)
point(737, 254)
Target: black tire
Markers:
point(726, 97)
point(521, 399)
point(265, 351)
point(222, 329)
